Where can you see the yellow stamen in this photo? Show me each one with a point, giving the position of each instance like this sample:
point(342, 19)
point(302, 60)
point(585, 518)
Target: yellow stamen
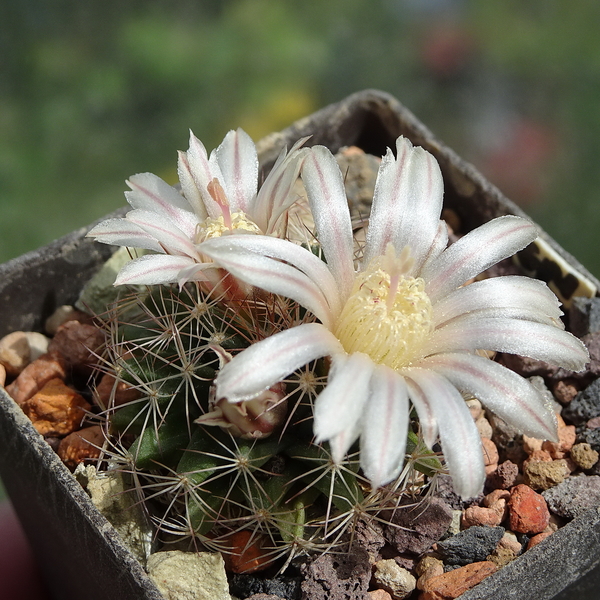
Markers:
point(388, 315)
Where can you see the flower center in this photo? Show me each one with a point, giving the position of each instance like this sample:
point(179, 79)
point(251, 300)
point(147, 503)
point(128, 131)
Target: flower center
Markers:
point(212, 228)
point(388, 314)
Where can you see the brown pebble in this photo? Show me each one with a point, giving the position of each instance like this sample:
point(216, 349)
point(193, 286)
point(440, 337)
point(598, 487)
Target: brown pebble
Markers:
point(505, 475)
point(542, 475)
point(538, 456)
point(531, 444)
point(501, 556)
point(19, 348)
point(566, 438)
point(81, 446)
point(509, 540)
point(490, 452)
point(482, 516)
point(378, 595)
point(63, 314)
point(35, 376)
point(110, 393)
point(2, 375)
point(79, 344)
point(452, 584)
point(528, 511)
point(56, 409)
point(565, 390)
point(584, 456)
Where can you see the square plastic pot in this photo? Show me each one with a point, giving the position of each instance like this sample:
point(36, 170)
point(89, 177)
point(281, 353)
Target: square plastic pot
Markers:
point(81, 555)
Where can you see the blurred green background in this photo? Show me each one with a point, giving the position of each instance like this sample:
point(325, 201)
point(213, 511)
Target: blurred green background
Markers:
point(92, 92)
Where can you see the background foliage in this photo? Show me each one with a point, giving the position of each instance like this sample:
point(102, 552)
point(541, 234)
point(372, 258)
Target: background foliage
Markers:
point(92, 92)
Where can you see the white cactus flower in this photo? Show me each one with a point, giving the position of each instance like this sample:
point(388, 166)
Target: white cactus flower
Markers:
point(404, 327)
point(219, 194)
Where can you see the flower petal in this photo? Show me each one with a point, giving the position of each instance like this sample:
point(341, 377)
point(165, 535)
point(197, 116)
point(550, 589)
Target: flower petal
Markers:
point(166, 233)
point(152, 269)
point(195, 173)
point(501, 390)
point(339, 406)
point(425, 411)
point(407, 203)
point(121, 232)
point(459, 437)
point(237, 159)
point(267, 362)
point(535, 340)
point(499, 292)
point(269, 274)
point(151, 193)
point(325, 189)
point(304, 260)
point(384, 427)
point(476, 252)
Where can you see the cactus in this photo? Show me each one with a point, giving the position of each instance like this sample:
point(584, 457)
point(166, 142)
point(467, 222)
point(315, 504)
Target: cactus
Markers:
point(205, 473)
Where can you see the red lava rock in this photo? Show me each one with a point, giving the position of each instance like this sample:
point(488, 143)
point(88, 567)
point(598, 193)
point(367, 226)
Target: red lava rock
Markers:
point(110, 392)
point(528, 511)
point(56, 409)
point(452, 584)
point(536, 539)
point(35, 376)
point(538, 456)
point(79, 344)
point(81, 446)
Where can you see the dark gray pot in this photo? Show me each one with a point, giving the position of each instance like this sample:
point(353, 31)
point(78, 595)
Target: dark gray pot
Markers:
point(79, 552)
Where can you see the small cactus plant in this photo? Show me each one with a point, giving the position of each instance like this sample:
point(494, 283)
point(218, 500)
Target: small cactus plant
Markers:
point(209, 471)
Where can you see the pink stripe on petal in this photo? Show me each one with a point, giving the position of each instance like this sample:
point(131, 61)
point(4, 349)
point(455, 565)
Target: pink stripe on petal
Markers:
point(152, 270)
point(501, 390)
point(461, 443)
point(475, 252)
point(267, 362)
point(384, 427)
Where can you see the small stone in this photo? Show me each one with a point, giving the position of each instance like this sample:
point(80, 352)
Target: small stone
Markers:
point(565, 390)
point(2, 375)
point(509, 540)
point(480, 515)
point(531, 444)
point(395, 580)
point(566, 438)
point(35, 376)
point(331, 576)
point(538, 456)
point(189, 575)
point(484, 427)
point(528, 512)
point(475, 408)
point(505, 476)
point(111, 393)
point(542, 475)
point(585, 405)
point(471, 545)
point(574, 496)
point(19, 348)
point(61, 315)
point(81, 446)
point(452, 584)
point(501, 556)
point(454, 526)
point(270, 597)
point(418, 526)
point(490, 453)
point(374, 595)
point(79, 344)
point(584, 455)
point(593, 423)
point(56, 409)
point(427, 568)
point(536, 539)
point(591, 437)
